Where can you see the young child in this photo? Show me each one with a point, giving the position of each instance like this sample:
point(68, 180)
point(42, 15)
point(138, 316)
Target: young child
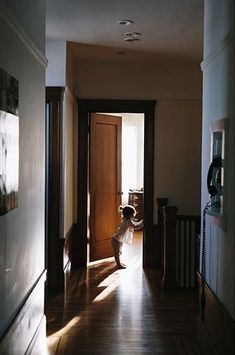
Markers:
point(125, 232)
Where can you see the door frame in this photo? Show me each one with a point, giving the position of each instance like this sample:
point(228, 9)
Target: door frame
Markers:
point(85, 107)
point(54, 245)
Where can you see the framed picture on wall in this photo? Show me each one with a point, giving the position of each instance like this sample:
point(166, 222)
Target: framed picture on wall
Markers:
point(9, 143)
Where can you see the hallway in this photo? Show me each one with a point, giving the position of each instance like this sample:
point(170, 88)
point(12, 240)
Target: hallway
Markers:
point(110, 311)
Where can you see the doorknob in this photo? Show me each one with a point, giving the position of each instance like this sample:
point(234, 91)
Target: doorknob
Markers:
point(120, 193)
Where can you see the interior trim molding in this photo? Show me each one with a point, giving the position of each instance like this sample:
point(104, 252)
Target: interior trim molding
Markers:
point(85, 107)
point(38, 343)
point(23, 36)
point(215, 320)
point(54, 241)
point(224, 43)
point(68, 94)
point(27, 320)
point(178, 99)
point(203, 338)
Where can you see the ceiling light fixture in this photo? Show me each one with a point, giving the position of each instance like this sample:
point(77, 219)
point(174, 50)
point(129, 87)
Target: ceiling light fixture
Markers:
point(131, 39)
point(132, 34)
point(125, 22)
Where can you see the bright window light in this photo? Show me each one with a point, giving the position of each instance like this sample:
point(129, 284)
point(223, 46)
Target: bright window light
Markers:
point(129, 159)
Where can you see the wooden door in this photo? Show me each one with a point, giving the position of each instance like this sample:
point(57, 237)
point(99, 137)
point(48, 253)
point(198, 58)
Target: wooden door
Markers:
point(105, 183)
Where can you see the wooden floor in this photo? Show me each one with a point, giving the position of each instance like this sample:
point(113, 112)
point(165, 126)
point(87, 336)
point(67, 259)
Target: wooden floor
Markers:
point(110, 311)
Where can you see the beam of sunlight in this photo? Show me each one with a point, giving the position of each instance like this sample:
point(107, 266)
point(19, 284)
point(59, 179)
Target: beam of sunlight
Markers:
point(110, 287)
point(105, 293)
point(65, 329)
point(107, 281)
point(111, 284)
point(53, 339)
point(133, 262)
point(100, 261)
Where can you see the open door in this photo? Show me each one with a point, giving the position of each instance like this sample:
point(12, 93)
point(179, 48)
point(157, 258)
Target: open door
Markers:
point(105, 182)
point(151, 256)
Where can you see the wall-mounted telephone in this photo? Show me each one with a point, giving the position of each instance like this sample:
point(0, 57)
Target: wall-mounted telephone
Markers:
point(215, 187)
point(215, 175)
point(214, 184)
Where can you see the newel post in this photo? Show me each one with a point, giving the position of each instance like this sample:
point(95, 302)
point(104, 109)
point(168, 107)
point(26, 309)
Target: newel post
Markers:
point(161, 202)
point(169, 281)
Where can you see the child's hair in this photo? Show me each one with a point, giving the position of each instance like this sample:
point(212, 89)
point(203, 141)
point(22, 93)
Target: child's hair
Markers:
point(127, 211)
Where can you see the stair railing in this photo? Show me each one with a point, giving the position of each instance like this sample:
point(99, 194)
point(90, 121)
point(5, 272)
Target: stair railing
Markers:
point(179, 242)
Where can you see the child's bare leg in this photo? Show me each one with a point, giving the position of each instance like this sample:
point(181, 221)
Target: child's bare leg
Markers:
point(119, 264)
point(117, 248)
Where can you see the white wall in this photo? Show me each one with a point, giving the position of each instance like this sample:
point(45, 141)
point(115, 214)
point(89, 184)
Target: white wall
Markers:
point(22, 229)
point(176, 85)
point(70, 67)
point(171, 79)
point(56, 69)
point(177, 153)
point(58, 73)
point(31, 14)
point(218, 98)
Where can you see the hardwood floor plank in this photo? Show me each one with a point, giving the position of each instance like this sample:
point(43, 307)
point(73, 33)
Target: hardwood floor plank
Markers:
point(109, 311)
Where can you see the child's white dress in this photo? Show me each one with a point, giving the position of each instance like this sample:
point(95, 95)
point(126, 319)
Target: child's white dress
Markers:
point(126, 229)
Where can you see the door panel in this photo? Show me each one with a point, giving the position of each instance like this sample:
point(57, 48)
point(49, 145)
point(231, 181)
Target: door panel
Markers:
point(105, 182)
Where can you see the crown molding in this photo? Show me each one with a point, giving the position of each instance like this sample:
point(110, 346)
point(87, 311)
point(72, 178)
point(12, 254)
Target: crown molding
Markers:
point(178, 99)
point(22, 35)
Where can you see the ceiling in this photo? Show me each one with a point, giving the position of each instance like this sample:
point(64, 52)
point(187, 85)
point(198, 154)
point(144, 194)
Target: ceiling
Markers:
point(169, 28)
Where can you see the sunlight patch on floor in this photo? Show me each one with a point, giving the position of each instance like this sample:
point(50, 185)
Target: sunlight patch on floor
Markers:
point(106, 292)
point(65, 329)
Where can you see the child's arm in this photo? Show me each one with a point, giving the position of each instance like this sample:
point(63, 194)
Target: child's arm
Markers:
point(136, 225)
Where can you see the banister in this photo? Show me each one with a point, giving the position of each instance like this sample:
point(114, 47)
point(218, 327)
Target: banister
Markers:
point(161, 202)
point(179, 245)
point(169, 280)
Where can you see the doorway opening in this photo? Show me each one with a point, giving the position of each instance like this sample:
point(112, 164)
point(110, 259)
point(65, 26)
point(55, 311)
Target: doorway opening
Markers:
point(115, 176)
point(87, 107)
point(132, 156)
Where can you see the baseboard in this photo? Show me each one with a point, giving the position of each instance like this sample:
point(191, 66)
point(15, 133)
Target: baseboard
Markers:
point(38, 344)
point(25, 327)
point(215, 321)
point(203, 339)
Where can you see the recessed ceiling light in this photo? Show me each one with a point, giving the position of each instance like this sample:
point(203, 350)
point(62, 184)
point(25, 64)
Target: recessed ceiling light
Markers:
point(131, 39)
point(125, 22)
point(132, 34)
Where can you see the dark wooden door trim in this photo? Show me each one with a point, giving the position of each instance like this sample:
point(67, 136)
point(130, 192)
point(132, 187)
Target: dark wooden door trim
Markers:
point(85, 107)
point(54, 244)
